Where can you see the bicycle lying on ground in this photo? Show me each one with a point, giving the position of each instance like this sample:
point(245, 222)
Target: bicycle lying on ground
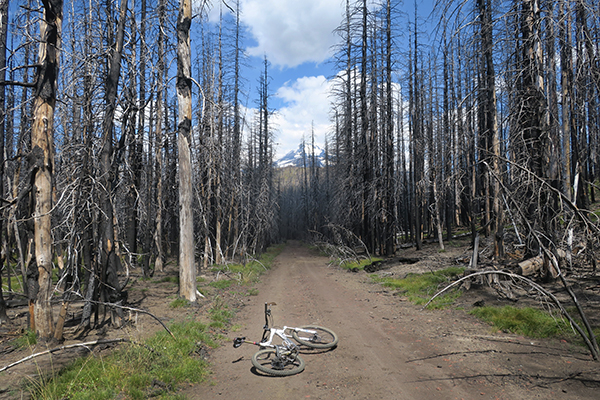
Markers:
point(283, 359)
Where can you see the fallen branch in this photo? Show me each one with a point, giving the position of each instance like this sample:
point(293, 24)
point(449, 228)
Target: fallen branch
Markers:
point(136, 310)
point(70, 346)
point(535, 286)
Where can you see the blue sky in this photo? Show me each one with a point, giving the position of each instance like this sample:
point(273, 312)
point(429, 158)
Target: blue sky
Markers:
point(297, 38)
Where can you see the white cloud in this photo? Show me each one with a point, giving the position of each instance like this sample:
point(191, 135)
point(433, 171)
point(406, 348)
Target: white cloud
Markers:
point(307, 103)
point(291, 32)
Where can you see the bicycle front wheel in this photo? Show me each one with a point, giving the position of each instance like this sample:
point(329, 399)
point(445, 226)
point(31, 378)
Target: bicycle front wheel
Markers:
point(322, 338)
point(266, 361)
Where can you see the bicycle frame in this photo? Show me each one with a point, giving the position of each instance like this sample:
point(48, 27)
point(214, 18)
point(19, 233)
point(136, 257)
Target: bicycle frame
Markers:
point(283, 334)
point(270, 332)
point(284, 359)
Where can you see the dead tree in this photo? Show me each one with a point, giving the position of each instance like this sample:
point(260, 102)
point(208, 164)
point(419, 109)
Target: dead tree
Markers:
point(3, 34)
point(42, 162)
point(187, 267)
point(109, 264)
point(488, 127)
point(159, 127)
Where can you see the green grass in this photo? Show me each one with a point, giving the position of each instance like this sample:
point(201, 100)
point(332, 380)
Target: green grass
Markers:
point(169, 279)
point(29, 338)
point(220, 314)
point(154, 368)
point(15, 283)
point(179, 302)
point(222, 284)
point(267, 257)
point(419, 288)
point(595, 216)
point(248, 273)
point(526, 321)
point(531, 322)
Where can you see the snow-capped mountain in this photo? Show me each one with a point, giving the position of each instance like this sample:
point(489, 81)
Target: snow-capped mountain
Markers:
point(295, 158)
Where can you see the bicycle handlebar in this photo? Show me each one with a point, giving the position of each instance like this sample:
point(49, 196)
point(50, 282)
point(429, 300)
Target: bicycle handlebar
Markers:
point(238, 341)
point(268, 314)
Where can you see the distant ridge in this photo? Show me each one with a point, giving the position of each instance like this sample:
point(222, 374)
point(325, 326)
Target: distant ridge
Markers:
point(295, 158)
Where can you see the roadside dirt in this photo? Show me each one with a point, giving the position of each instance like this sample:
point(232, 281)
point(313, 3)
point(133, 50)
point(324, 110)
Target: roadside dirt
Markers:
point(389, 348)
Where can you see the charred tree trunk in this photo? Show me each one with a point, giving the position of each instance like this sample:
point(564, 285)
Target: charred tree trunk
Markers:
point(3, 246)
point(388, 161)
point(160, 107)
point(85, 221)
point(566, 84)
point(109, 261)
point(488, 125)
point(418, 143)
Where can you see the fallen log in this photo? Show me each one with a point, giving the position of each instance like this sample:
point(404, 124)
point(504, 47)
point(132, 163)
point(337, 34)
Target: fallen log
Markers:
point(531, 266)
point(539, 265)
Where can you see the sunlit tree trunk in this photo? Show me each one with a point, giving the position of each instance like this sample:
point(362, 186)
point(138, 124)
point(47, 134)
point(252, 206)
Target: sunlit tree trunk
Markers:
point(187, 267)
point(42, 161)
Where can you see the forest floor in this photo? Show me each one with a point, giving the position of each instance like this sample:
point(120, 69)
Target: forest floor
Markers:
point(389, 348)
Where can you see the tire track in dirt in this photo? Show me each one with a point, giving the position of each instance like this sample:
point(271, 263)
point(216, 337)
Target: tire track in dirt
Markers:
point(387, 349)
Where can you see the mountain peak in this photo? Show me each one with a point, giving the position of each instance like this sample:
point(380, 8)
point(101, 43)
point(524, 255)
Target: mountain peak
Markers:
point(295, 158)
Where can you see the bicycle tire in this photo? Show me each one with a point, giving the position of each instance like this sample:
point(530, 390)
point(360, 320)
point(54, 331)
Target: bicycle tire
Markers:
point(324, 339)
point(263, 361)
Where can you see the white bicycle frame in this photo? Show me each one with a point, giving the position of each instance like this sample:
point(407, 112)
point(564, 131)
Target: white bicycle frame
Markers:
point(284, 359)
point(281, 332)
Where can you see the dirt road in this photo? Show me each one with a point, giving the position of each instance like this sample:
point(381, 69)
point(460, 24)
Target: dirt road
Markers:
point(389, 349)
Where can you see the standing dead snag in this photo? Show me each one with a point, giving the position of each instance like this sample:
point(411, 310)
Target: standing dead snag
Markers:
point(3, 35)
point(109, 261)
point(104, 281)
point(187, 267)
point(158, 231)
point(42, 140)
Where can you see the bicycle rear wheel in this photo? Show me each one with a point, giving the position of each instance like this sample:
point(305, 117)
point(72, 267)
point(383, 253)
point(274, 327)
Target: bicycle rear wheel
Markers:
point(266, 361)
point(323, 338)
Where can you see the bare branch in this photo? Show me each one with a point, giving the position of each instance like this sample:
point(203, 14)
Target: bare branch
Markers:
point(136, 310)
point(70, 346)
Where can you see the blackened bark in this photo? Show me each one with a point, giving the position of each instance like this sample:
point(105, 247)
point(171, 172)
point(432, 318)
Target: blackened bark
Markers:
point(3, 32)
point(109, 261)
